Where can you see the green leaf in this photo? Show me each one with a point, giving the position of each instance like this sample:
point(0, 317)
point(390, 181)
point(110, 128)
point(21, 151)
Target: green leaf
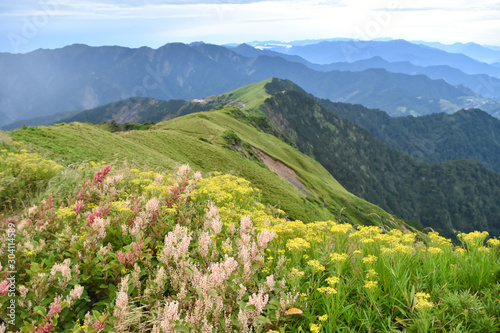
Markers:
point(212, 292)
point(188, 270)
point(263, 320)
point(181, 328)
point(257, 266)
point(242, 304)
point(40, 310)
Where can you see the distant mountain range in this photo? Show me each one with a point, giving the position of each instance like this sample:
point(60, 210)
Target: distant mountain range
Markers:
point(485, 53)
point(327, 52)
point(486, 85)
point(46, 82)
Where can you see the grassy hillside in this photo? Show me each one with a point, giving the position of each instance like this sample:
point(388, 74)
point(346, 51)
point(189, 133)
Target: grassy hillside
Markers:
point(202, 140)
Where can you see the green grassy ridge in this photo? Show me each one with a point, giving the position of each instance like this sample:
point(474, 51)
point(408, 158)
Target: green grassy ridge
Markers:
point(320, 184)
point(196, 139)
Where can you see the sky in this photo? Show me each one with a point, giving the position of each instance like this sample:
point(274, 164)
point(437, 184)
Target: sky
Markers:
point(26, 25)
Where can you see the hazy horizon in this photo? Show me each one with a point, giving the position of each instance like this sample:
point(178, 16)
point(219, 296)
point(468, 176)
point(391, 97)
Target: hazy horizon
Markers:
point(28, 25)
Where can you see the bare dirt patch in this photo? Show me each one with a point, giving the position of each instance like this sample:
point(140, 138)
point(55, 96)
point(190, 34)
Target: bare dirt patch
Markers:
point(282, 170)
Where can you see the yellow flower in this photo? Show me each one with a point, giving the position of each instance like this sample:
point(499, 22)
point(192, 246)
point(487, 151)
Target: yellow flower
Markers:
point(366, 240)
point(226, 248)
point(371, 285)
point(315, 328)
point(341, 228)
point(422, 301)
point(327, 290)
point(369, 259)
point(336, 257)
point(423, 304)
point(422, 295)
point(332, 280)
point(370, 274)
point(323, 317)
point(437, 240)
point(493, 242)
point(473, 239)
point(434, 250)
point(298, 244)
point(316, 265)
point(295, 273)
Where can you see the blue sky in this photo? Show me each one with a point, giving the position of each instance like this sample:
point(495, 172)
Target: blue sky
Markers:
point(26, 25)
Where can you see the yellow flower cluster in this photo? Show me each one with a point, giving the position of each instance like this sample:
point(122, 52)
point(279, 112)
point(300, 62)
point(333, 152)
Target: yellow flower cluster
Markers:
point(434, 250)
point(121, 206)
point(327, 290)
point(438, 241)
point(369, 259)
point(295, 273)
point(341, 228)
point(290, 229)
point(370, 274)
point(474, 239)
point(338, 257)
point(422, 301)
point(316, 265)
point(235, 198)
point(315, 328)
point(323, 318)
point(317, 231)
point(493, 242)
point(297, 244)
point(370, 285)
point(223, 188)
point(29, 166)
point(366, 232)
point(226, 248)
point(65, 212)
point(332, 280)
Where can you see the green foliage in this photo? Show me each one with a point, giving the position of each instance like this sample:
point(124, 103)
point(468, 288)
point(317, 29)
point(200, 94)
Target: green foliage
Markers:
point(440, 137)
point(22, 175)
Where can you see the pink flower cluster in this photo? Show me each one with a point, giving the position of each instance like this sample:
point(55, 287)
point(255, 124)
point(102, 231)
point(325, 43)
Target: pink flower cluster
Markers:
point(101, 174)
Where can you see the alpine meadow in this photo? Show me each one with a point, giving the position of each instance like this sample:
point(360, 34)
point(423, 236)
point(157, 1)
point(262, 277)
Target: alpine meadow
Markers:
point(279, 185)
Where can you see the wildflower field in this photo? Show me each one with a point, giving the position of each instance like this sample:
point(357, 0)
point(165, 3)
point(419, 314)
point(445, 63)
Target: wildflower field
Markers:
point(126, 250)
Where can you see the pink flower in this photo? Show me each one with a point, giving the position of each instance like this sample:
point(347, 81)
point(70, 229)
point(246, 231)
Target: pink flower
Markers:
point(101, 174)
point(76, 292)
point(99, 326)
point(54, 309)
point(245, 225)
point(44, 329)
point(259, 300)
point(184, 170)
point(79, 205)
point(264, 237)
point(120, 256)
point(4, 287)
point(152, 205)
point(197, 176)
point(270, 282)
